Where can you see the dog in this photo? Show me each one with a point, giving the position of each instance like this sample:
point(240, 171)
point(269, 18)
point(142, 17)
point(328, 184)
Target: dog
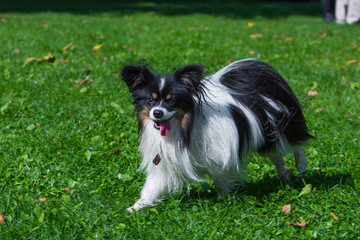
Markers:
point(192, 126)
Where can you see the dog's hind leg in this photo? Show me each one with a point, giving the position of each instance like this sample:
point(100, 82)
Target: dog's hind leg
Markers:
point(300, 159)
point(223, 185)
point(281, 171)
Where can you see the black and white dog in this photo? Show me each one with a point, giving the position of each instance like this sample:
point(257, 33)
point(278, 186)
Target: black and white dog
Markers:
point(192, 126)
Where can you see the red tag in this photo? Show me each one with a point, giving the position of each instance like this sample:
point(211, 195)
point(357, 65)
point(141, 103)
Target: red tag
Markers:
point(157, 159)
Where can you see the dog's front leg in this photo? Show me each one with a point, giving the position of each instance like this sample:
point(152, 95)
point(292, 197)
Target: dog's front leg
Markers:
point(152, 193)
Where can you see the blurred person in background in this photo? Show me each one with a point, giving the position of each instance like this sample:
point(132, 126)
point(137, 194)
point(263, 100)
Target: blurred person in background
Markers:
point(329, 10)
point(347, 11)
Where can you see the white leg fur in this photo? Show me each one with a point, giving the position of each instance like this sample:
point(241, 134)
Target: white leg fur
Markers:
point(300, 160)
point(151, 194)
point(279, 163)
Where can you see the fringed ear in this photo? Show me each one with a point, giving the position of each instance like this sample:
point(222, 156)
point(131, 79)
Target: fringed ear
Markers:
point(190, 74)
point(135, 75)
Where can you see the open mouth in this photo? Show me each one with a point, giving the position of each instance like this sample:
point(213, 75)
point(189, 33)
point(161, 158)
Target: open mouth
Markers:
point(163, 126)
point(157, 125)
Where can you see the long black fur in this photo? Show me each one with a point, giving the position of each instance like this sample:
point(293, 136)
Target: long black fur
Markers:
point(249, 81)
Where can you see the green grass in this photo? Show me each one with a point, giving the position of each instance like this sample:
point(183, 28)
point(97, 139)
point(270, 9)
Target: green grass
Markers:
point(56, 135)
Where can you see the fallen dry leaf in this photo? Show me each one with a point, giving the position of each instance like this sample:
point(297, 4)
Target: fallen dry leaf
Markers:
point(48, 58)
point(353, 45)
point(324, 35)
point(97, 47)
point(63, 60)
point(302, 224)
point(45, 177)
point(319, 109)
point(348, 115)
point(115, 152)
point(192, 28)
point(68, 189)
point(67, 47)
point(341, 68)
point(312, 93)
point(250, 24)
point(252, 52)
point(289, 39)
point(85, 81)
point(2, 219)
point(42, 199)
point(205, 28)
point(351, 61)
point(256, 35)
point(32, 59)
point(286, 209)
point(16, 50)
point(128, 18)
point(230, 60)
point(3, 20)
point(334, 216)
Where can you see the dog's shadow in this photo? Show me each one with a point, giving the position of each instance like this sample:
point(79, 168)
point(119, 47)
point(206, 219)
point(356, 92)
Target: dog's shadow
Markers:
point(270, 184)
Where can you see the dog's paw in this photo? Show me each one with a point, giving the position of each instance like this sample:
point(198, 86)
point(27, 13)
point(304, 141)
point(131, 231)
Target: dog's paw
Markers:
point(285, 176)
point(130, 210)
point(136, 207)
point(301, 167)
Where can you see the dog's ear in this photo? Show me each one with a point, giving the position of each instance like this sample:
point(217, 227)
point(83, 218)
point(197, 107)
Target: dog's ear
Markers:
point(191, 74)
point(135, 75)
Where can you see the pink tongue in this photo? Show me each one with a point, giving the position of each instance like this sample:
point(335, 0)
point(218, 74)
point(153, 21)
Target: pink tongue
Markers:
point(165, 127)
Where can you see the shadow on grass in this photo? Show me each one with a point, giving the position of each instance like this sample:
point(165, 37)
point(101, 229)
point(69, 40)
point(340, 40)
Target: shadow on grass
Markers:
point(270, 184)
point(320, 180)
point(228, 8)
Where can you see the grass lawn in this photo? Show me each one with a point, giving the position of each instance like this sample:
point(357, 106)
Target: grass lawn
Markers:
point(67, 128)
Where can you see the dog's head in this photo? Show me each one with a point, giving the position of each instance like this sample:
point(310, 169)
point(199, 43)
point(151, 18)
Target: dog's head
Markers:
point(162, 97)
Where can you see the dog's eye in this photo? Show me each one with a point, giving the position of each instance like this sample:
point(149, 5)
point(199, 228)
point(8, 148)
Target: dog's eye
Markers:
point(150, 100)
point(171, 101)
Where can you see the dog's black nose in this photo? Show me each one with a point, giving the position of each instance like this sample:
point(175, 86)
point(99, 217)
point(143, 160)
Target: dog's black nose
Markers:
point(158, 113)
